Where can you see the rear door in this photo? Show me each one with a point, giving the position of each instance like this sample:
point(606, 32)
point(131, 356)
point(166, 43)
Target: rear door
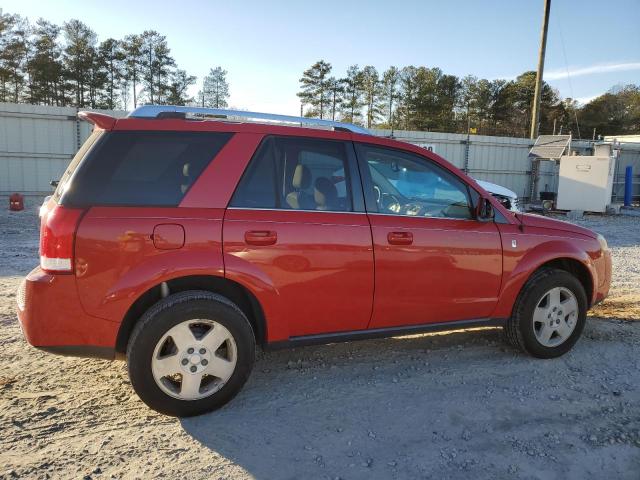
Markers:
point(434, 261)
point(296, 232)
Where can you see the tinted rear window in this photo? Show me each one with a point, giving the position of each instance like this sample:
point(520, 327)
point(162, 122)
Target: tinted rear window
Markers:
point(142, 168)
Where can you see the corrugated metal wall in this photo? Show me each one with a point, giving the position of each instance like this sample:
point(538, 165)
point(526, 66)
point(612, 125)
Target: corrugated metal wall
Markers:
point(36, 145)
point(38, 142)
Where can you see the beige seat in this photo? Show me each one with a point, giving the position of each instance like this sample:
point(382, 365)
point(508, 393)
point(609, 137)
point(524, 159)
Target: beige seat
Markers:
point(299, 199)
point(186, 181)
point(325, 194)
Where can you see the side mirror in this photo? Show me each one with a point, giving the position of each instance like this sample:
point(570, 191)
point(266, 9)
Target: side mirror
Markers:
point(485, 212)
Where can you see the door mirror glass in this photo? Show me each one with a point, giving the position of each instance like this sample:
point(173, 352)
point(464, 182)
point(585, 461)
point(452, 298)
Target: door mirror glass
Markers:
point(485, 212)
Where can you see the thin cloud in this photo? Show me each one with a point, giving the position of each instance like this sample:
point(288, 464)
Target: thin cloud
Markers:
point(585, 100)
point(560, 74)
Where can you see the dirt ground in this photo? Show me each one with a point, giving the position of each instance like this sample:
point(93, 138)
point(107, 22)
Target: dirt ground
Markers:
point(459, 405)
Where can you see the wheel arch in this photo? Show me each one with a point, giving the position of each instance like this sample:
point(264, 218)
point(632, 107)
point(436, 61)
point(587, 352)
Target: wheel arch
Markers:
point(560, 255)
point(575, 268)
point(235, 292)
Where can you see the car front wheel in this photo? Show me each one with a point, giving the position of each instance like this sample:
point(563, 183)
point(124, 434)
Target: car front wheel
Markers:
point(190, 353)
point(549, 315)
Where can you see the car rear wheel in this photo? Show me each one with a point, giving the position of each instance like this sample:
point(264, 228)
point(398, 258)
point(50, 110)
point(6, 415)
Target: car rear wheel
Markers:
point(549, 315)
point(190, 353)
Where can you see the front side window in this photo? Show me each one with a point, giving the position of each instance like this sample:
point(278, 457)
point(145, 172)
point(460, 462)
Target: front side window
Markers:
point(406, 184)
point(292, 173)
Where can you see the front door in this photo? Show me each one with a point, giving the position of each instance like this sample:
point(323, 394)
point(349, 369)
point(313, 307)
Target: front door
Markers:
point(434, 261)
point(296, 233)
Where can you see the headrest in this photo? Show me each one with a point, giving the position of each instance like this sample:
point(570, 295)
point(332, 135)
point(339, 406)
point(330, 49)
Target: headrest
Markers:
point(301, 177)
point(325, 193)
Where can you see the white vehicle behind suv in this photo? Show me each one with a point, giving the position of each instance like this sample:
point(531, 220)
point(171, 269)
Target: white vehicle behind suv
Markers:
point(507, 197)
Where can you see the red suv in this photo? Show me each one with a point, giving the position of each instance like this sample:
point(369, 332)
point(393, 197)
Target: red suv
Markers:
point(180, 241)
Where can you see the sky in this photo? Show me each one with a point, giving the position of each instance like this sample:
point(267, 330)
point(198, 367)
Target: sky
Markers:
point(266, 45)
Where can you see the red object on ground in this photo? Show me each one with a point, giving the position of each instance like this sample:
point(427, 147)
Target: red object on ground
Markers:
point(16, 202)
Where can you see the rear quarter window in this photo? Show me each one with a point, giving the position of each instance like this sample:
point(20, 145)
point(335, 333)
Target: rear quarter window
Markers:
point(142, 168)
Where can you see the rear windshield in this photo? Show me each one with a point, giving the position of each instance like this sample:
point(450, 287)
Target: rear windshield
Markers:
point(141, 168)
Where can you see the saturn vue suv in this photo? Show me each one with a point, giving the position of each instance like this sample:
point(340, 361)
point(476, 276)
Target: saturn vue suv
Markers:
point(180, 238)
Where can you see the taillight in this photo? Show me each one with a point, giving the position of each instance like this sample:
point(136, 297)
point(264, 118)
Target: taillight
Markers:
point(57, 234)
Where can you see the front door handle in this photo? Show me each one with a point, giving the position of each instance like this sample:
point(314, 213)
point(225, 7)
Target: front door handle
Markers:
point(400, 238)
point(260, 237)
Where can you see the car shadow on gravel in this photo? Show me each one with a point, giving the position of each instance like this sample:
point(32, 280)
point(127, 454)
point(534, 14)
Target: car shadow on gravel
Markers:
point(370, 409)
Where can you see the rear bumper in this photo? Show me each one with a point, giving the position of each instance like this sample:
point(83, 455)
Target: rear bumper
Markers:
point(52, 319)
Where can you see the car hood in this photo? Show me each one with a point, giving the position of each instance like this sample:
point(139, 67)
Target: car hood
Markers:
point(496, 189)
point(531, 220)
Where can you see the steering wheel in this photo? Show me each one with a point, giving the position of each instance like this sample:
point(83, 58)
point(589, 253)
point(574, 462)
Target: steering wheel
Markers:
point(390, 202)
point(376, 189)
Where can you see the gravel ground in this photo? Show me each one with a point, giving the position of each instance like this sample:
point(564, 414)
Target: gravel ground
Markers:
point(459, 405)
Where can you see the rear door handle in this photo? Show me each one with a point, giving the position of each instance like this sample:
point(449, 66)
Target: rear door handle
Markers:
point(400, 238)
point(260, 237)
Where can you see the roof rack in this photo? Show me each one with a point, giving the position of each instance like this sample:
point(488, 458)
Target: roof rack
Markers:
point(169, 111)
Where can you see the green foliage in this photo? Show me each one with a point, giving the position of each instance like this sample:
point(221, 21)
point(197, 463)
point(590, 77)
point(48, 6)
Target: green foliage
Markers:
point(372, 90)
point(157, 65)
point(215, 89)
point(179, 84)
point(617, 112)
point(336, 95)
point(421, 98)
point(14, 57)
point(315, 90)
point(352, 95)
point(64, 65)
point(47, 82)
point(390, 93)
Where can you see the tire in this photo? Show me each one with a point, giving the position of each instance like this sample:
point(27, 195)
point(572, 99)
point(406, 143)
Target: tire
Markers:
point(168, 338)
point(525, 331)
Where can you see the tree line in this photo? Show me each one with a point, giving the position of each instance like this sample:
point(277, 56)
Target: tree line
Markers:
point(66, 65)
point(422, 98)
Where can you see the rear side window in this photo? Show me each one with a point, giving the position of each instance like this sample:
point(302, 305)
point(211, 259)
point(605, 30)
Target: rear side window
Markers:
point(66, 176)
point(258, 187)
point(295, 173)
point(142, 168)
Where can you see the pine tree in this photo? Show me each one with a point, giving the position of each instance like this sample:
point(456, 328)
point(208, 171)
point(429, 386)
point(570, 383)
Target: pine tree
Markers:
point(180, 83)
point(157, 65)
point(79, 58)
point(407, 100)
point(448, 89)
point(352, 90)
point(111, 60)
point(315, 88)
point(215, 89)
point(390, 83)
point(336, 90)
point(132, 47)
point(372, 90)
point(45, 66)
point(14, 56)
point(6, 25)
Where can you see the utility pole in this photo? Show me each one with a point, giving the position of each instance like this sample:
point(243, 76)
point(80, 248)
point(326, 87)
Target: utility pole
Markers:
point(535, 114)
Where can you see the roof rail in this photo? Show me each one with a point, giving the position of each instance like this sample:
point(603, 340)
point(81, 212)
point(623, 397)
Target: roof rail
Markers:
point(160, 111)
